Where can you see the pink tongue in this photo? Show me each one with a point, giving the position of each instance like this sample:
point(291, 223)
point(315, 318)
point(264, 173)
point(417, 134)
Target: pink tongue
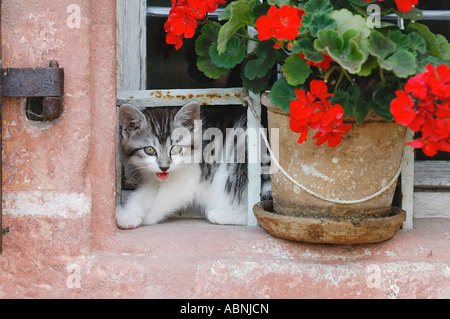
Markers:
point(162, 176)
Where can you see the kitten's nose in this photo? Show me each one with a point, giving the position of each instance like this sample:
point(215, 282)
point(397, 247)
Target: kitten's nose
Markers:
point(164, 169)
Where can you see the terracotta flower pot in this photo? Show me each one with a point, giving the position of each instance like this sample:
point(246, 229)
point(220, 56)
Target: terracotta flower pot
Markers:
point(364, 163)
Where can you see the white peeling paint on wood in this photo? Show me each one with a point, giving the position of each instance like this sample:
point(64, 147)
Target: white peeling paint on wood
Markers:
point(431, 204)
point(407, 180)
point(432, 174)
point(179, 97)
point(254, 169)
point(131, 44)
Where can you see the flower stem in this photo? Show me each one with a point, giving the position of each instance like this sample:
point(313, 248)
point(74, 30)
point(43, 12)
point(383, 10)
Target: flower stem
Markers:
point(341, 76)
point(327, 75)
point(349, 78)
point(383, 79)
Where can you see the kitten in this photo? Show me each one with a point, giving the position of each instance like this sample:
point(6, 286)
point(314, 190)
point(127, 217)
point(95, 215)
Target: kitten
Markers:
point(178, 170)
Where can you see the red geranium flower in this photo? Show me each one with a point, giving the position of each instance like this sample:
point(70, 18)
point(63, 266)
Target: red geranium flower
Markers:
point(402, 108)
point(313, 110)
point(319, 89)
point(183, 16)
point(424, 106)
point(201, 7)
point(177, 40)
point(402, 5)
point(334, 137)
point(181, 21)
point(406, 5)
point(324, 64)
point(281, 24)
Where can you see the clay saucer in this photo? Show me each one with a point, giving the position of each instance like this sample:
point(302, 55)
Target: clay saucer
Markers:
point(328, 230)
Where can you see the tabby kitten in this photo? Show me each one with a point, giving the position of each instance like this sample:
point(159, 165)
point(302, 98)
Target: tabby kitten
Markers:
point(177, 168)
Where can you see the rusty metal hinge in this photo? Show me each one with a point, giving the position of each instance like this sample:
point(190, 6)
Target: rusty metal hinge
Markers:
point(43, 88)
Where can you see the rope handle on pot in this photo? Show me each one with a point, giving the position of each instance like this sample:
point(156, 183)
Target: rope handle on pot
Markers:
point(249, 103)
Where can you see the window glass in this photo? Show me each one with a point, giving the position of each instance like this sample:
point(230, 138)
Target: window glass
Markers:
point(177, 69)
point(434, 5)
point(168, 68)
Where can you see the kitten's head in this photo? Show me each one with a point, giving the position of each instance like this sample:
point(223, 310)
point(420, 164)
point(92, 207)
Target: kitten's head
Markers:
point(158, 140)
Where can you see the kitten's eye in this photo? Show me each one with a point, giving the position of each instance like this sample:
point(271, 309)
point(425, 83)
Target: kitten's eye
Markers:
point(176, 150)
point(149, 151)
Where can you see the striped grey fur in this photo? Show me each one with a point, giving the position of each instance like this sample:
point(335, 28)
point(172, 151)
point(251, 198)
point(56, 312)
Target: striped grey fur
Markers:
point(154, 127)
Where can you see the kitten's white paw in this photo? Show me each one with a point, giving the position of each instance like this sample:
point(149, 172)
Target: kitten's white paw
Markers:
point(227, 217)
point(126, 219)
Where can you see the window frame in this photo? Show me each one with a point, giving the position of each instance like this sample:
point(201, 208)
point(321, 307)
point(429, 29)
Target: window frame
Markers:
point(131, 86)
point(131, 89)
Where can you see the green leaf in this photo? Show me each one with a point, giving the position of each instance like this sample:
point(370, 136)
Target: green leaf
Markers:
point(211, 70)
point(417, 43)
point(258, 84)
point(202, 44)
point(234, 54)
point(433, 61)
point(305, 45)
point(240, 16)
point(357, 102)
point(318, 7)
point(361, 112)
point(343, 98)
point(368, 66)
point(400, 40)
point(382, 97)
point(345, 20)
point(363, 103)
point(444, 46)
point(348, 43)
point(430, 38)
point(282, 94)
point(259, 9)
point(278, 2)
point(321, 22)
point(226, 14)
point(258, 67)
point(353, 102)
point(381, 46)
point(360, 3)
point(207, 36)
point(296, 70)
point(313, 8)
point(401, 62)
point(349, 52)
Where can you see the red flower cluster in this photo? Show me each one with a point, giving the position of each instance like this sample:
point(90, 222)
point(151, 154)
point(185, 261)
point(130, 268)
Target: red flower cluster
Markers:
point(281, 24)
point(424, 106)
point(313, 110)
point(183, 17)
point(402, 5)
point(324, 64)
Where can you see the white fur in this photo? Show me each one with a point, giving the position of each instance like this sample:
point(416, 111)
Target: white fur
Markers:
point(155, 200)
point(218, 205)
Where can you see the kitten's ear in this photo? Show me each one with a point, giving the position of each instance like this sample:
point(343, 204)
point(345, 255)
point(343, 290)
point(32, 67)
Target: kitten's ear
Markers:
point(131, 119)
point(187, 115)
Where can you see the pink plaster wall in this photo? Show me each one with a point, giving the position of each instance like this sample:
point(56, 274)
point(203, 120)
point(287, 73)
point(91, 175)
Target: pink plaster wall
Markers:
point(59, 178)
point(59, 191)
